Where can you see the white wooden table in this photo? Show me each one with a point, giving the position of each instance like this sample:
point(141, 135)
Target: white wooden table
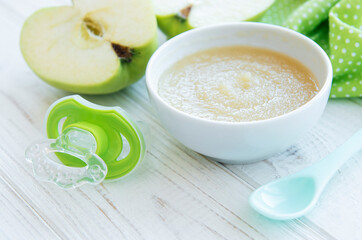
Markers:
point(177, 193)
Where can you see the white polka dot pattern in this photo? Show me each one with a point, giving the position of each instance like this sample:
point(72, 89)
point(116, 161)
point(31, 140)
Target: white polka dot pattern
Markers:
point(309, 15)
point(345, 21)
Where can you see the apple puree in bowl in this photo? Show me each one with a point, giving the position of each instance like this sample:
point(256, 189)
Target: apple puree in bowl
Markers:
point(237, 84)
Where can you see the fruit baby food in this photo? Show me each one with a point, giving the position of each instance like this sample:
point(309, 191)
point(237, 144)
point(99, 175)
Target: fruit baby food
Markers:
point(237, 84)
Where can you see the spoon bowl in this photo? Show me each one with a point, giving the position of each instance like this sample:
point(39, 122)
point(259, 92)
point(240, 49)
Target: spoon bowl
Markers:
point(286, 198)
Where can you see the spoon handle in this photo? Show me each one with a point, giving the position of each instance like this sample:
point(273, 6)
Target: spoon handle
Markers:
point(324, 169)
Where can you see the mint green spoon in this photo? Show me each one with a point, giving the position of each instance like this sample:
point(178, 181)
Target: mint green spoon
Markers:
point(293, 196)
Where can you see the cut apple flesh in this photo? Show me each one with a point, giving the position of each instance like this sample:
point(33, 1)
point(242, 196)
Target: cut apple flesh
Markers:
point(85, 46)
point(205, 12)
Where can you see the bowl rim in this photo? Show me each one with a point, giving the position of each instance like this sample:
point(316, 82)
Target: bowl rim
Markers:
point(258, 26)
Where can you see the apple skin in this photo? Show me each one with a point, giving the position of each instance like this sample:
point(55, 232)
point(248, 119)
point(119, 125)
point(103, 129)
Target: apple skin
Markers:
point(128, 72)
point(172, 25)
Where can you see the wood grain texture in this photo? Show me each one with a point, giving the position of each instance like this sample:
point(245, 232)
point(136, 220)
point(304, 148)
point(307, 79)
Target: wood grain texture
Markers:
point(176, 193)
point(18, 219)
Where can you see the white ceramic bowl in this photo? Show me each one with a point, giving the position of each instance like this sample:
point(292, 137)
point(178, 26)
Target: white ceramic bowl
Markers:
point(241, 142)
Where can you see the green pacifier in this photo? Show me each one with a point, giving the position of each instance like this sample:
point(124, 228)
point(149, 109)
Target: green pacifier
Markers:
point(87, 143)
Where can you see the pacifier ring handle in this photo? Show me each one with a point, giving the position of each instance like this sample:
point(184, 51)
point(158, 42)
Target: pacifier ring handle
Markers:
point(76, 142)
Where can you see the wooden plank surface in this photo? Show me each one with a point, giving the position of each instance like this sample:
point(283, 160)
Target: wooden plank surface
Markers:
point(177, 193)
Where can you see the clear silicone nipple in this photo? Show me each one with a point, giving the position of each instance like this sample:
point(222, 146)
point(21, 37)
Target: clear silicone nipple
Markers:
point(73, 141)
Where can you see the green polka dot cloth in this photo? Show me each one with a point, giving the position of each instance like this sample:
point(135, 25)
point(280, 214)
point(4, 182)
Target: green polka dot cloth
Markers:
point(336, 25)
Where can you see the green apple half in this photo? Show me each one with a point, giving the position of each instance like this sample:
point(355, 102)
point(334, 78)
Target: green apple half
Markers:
point(92, 47)
point(177, 16)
